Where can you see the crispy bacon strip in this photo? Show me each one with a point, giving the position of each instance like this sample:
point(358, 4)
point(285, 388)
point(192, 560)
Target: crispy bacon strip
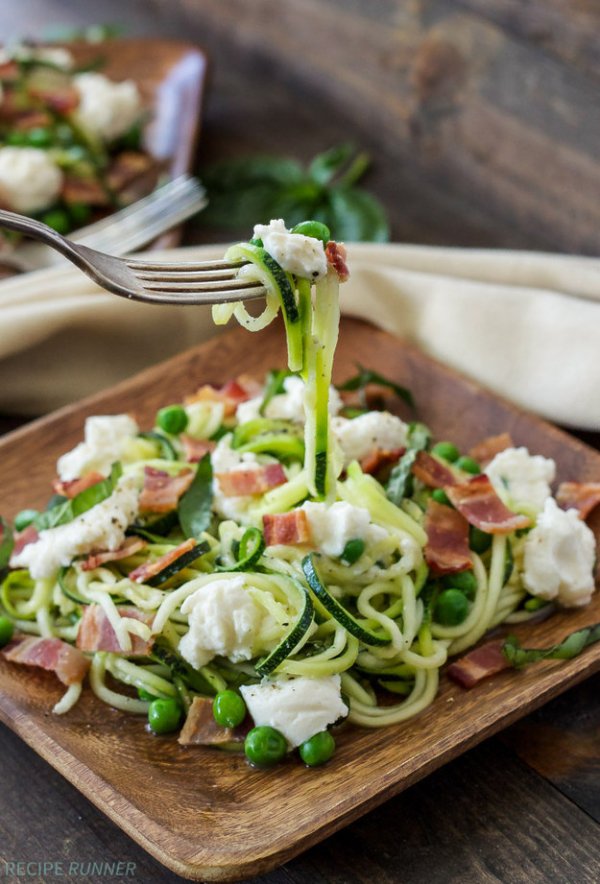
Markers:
point(51, 654)
point(335, 253)
point(487, 449)
point(431, 472)
point(447, 548)
point(131, 546)
point(481, 507)
point(244, 481)
point(74, 486)
point(151, 569)
point(581, 496)
point(161, 492)
point(84, 190)
point(201, 729)
point(195, 449)
point(287, 528)
point(379, 458)
point(230, 394)
point(481, 663)
point(96, 633)
point(24, 538)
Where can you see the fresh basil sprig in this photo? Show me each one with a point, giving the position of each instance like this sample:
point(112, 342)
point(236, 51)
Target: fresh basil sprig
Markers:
point(399, 483)
point(569, 647)
point(254, 189)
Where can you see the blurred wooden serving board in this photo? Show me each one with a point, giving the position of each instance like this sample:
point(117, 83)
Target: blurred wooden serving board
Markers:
point(207, 815)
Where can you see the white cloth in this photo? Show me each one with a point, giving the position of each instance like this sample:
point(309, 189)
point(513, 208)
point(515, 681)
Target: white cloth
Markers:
point(524, 324)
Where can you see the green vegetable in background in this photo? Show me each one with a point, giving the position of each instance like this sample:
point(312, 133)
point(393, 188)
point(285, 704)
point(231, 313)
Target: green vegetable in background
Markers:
point(250, 190)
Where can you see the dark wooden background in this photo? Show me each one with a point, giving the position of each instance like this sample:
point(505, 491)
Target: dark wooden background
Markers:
point(483, 120)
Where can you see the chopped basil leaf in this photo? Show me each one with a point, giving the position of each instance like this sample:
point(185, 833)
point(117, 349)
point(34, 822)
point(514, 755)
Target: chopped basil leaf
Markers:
point(365, 377)
point(194, 508)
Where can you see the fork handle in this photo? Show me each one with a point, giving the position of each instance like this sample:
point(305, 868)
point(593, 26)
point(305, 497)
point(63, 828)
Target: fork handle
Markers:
point(36, 230)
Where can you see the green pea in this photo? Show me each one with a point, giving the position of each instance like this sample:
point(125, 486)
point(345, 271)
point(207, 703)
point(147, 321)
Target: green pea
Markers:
point(468, 465)
point(479, 541)
point(58, 219)
point(229, 709)
point(318, 749)
point(353, 551)
point(314, 229)
point(465, 581)
point(451, 607)
point(39, 137)
point(264, 746)
point(534, 604)
point(164, 716)
point(24, 518)
point(440, 496)
point(446, 450)
point(172, 419)
point(6, 631)
point(143, 694)
point(80, 213)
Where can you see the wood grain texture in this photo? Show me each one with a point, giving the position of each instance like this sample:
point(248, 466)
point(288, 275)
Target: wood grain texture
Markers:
point(210, 816)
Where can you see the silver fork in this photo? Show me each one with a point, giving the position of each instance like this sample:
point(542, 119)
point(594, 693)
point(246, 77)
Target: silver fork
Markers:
point(205, 282)
point(128, 229)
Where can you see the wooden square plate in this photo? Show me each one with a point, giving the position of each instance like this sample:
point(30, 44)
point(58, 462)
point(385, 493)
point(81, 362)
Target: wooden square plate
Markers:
point(208, 815)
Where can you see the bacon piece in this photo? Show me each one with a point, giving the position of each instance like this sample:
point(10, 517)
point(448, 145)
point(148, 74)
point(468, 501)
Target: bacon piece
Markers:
point(96, 633)
point(9, 70)
point(580, 496)
point(52, 654)
point(244, 481)
point(84, 190)
point(481, 506)
point(447, 548)
point(287, 528)
point(195, 449)
point(131, 546)
point(335, 253)
point(478, 664)
point(201, 729)
point(431, 472)
point(126, 167)
point(63, 99)
point(32, 119)
point(72, 487)
point(24, 538)
point(379, 458)
point(230, 394)
point(488, 448)
point(151, 569)
point(161, 492)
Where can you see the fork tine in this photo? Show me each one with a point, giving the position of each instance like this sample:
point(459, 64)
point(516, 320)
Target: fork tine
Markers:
point(136, 264)
point(215, 287)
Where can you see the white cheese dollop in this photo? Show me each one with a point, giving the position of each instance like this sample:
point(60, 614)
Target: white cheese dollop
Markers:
point(376, 429)
point(106, 109)
point(294, 252)
point(224, 459)
point(559, 557)
point(105, 437)
point(100, 528)
point(521, 479)
point(331, 527)
point(285, 406)
point(224, 620)
point(298, 708)
point(29, 179)
point(56, 55)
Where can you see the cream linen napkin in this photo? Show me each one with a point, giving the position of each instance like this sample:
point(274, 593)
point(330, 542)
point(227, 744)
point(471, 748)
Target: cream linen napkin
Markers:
point(524, 324)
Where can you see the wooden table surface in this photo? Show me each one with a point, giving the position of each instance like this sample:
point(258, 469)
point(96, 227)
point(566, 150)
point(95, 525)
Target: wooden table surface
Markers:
point(483, 120)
